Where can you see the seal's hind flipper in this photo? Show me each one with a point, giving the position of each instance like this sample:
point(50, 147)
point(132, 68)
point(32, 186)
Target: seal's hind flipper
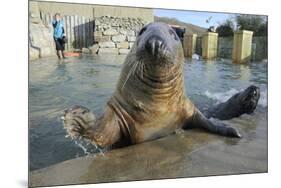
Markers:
point(200, 121)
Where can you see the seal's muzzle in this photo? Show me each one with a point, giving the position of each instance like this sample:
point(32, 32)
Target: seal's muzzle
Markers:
point(250, 99)
point(158, 44)
point(155, 45)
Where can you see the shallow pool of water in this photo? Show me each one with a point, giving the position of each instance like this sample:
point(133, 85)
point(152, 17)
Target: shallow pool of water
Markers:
point(90, 81)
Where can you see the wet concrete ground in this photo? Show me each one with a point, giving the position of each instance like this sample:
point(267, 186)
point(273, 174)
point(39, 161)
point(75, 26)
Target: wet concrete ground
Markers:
point(186, 154)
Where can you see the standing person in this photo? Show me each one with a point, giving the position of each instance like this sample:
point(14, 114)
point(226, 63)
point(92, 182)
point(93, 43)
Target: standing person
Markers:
point(58, 34)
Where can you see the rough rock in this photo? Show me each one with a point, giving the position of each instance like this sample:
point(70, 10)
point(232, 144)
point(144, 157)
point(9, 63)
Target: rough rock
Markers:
point(108, 51)
point(94, 48)
point(97, 34)
point(110, 31)
point(97, 22)
point(131, 44)
point(107, 45)
point(131, 33)
point(106, 38)
point(41, 39)
point(123, 45)
point(86, 50)
point(131, 38)
point(119, 38)
point(124, 51)
point(35, 20)
point(123, 32)
point(47, 51)
point(33, 53)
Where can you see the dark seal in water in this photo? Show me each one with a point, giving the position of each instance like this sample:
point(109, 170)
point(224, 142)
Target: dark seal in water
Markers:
point(243, 102)
point(149, 101)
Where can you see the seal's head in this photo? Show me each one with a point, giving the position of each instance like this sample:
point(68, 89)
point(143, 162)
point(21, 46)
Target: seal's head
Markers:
point(158, 44)
point(248, 99)
point(155, 64)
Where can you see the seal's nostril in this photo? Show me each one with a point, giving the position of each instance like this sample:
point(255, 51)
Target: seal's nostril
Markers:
point(158, 43)
point(153, 45)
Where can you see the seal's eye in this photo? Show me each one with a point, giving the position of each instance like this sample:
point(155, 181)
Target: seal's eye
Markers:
point(142, 30)
point(172, 32)
point(85, 111)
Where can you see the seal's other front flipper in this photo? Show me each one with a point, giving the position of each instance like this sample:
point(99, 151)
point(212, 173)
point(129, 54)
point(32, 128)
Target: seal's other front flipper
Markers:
point(81, 122)
point(107, 131)
point(77, 120)
point(200, 121)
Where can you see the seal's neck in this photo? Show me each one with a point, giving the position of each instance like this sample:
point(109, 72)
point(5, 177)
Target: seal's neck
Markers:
point(151, 82)
point(158, 77)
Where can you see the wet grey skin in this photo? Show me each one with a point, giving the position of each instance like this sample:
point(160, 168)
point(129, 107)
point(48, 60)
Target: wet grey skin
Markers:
point(244, 102)
point(149, 101)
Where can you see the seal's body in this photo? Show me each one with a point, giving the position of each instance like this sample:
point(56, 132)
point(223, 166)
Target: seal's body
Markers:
point(149, 101)
point(243, 102)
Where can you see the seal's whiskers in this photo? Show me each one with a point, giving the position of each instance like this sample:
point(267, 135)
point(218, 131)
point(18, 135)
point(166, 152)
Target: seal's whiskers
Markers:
point(132, 71)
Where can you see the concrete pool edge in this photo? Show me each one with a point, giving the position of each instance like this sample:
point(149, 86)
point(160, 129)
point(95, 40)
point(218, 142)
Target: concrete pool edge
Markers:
point(189, 154)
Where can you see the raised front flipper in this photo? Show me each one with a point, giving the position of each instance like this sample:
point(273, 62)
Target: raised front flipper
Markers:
point(81, 122)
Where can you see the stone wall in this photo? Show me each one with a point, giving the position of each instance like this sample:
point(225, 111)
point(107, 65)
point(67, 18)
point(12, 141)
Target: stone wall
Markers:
point(93, 11)
point(115, 35)
point(124, 12)
point(115, 27)
point(40, 36)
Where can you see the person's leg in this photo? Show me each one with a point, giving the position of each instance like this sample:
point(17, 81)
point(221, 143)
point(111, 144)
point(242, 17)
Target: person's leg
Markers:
point(58, 48)
point(61, 47)
point(58, 54)
point(62, 54)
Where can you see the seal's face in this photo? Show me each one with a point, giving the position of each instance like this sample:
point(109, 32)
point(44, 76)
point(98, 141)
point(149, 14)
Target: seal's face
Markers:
point(158, 44)
point(249, 99)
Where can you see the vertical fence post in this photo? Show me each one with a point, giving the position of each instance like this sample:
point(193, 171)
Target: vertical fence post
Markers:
point(88, 35)
point(65, 29)
point(50, 19)
point(43, 17)
point(83, 26)
point(209, 45)
point(75, 27)
point(88, 32)
point(189, 44)
point(242, 44)
point(79, 32)
point(91, 30)
point(72, 32)
point(46, 18)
